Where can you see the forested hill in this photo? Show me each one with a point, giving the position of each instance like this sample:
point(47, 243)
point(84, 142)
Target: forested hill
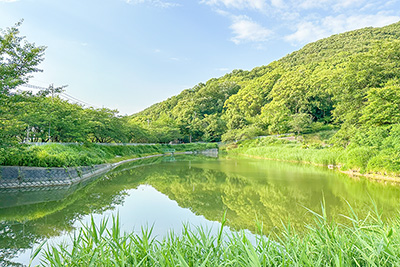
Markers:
point(351, 80)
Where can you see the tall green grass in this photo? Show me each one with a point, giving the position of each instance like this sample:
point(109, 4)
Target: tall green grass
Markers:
point(362, 158)
point(281, 149)
point(365, 241)
point(57, 155)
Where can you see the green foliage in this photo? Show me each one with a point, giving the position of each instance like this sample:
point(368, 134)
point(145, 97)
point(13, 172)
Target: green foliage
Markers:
point(214, 127)
point(284, 149)
point(371, 150)
point(357, 158)
point(383, 105)
point(376, 149)
point(18, 58)
point(349, 79)
point(242, 134)
point(195, 113)
point(362, 242)
point(300, 122)
point(57, 155)
point(46, 117)
point(104, 126)
point(34, 117)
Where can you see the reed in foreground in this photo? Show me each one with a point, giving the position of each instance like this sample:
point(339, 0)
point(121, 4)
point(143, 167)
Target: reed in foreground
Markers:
point(363, 242)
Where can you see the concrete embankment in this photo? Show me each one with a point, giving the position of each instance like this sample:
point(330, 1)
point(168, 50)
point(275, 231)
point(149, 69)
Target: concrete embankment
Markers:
point(17, 177)
point(30, 177)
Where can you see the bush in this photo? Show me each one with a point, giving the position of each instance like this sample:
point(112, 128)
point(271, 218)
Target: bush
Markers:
point(241, 134)
point(57, 155)
point(386, 161)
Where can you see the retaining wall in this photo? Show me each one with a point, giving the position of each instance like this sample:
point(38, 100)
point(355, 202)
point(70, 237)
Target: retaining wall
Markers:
point(29, 177)
point(17, 177)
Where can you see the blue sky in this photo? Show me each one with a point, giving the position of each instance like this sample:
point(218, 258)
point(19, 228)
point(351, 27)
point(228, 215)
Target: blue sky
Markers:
point(130, 54)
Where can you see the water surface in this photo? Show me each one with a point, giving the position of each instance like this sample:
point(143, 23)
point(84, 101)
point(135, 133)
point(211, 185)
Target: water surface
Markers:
point(165, 192)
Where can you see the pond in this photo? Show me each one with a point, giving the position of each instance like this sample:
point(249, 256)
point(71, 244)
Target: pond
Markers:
point(165, 192)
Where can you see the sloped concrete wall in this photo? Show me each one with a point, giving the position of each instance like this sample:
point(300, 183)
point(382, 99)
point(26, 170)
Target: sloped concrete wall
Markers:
point(28, 177)
point(17, 177)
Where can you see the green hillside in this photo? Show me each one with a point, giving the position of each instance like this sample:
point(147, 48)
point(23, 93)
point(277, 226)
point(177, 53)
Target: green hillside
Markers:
point(348, 81)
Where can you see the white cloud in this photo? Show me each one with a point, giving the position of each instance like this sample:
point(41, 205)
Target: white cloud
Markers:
point(223, 12)
point(239, 4)
point(308, 31)
point(342, 23)
point(278, 3)
point(348, 3)
point(342, 6)
point(309, 4)
point(327, 4)
point(311, 19)
point(246, 30)
point(157, 3)
point(8, 1)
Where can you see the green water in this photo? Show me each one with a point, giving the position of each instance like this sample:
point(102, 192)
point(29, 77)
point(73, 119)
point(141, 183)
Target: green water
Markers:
point(168, 191)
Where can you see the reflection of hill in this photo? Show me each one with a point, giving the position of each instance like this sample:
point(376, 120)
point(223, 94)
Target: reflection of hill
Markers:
point(271, 191)
point(208, 192)
point(247, 189)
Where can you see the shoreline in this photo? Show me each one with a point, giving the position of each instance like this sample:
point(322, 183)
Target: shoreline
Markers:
point(351, 173)
point(17, 177)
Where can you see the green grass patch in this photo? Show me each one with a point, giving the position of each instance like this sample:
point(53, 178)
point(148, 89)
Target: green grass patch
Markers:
point(57, 155)
point(283, 149)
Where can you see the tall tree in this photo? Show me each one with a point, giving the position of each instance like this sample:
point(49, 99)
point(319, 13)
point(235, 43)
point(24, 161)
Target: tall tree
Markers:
point(18, 58)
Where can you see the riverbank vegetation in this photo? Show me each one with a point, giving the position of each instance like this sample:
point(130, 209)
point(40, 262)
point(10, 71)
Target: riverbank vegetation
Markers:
point(341, 95)
point(58, 155)
point(362, 242)
point(373, 150)
point(347, 83)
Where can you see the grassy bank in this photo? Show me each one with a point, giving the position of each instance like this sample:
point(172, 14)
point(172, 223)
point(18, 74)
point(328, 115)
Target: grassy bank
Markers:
point(285, 150)
point(364, 242)
point(359, 158)
point(57, 155)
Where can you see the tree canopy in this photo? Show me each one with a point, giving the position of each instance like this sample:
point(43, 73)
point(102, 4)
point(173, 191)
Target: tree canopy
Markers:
point(18, 58)
point(348, 80)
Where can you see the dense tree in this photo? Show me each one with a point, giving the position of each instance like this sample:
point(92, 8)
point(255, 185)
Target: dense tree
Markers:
point(344, 79)
point(104, 126)
point(18, 58)
point(300, 122)
point(383, 105)
point(350, 80)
